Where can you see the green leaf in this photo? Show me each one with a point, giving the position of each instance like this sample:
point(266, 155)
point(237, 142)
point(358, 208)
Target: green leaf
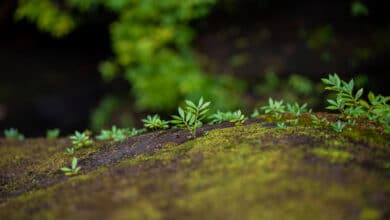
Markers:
point(74, 162)
point(359, 94)
point(200, 103)
point(364, 103)
point(371, 97)
point(65, 169)
point(332, 107)
point(190, 104)
point(181, 113)
point(205, 105)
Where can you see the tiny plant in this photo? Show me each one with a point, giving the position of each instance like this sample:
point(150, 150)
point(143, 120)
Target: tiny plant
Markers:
point(73, 170)
point(53, 133)
point(13, 134)
point(281, 125)
point(135, 131)
point(116, 134)
point(296, 109)
point(350, 104)
point(275, 108)
point(81, 139)
point(346, 101)
point(190, 118)
point(337, 126)
point(235, 117)
point(154, 122)
point(255, 113)
point(293, 121)
point(69, 151)
point(318, 121)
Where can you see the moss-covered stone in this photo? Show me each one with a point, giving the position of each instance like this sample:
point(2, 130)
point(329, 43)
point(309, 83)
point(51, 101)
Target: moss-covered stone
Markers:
point(252, 171)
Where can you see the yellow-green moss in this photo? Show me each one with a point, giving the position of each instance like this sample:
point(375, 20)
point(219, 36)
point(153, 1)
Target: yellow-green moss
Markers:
point(334, 156)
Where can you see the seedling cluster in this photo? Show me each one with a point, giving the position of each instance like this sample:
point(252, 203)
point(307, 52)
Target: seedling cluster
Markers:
point(193, 115)
point(118, 134)
point(13, 134)
point(235, 117)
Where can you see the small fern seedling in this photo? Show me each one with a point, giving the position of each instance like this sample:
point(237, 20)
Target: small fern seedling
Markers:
point(155, 122)
point(69, 151)
point(275, 108)
point(53, 133)
point(297, 109)
point(190, 118)
point(281, 125)
point(317, 121)
point(13, 134)
point(73, 170)
point(235, 117)
point(81, 139)
point(337, 126)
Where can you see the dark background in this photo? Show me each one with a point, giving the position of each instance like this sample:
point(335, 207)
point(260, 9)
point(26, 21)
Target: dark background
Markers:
point(47, 82)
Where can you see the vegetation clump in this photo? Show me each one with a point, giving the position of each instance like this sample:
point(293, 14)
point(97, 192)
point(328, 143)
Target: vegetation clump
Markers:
point(155, 122)
point(81, 139)
point(13, 134)
point(53, 133)
point(118, 134)
point(235, 117)
point(352, 106)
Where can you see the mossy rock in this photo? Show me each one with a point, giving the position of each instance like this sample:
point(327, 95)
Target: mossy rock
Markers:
point(252, 171)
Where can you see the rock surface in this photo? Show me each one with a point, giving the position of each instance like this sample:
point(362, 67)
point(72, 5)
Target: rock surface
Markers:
point(252, 171)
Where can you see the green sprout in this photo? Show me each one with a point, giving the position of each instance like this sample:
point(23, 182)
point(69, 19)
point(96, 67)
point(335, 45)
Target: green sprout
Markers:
point(255, 113)
point(274, 107)
point(13, 134)
point(53, 133)
point(351, 122)
point(73, 170)
point(346, 101)
point(235, 117)
point(155, 122)
point(293, 121)
point(318, 121)
point(116, 134)
point(296, 109)
point(281, 125)
point(135, 131)
point(337, 126)
point(191, 117)
point(80, 140)
point(69, 151)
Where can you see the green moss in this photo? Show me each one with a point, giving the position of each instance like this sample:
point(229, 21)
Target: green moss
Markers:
point(334, 156)
point(242, 172)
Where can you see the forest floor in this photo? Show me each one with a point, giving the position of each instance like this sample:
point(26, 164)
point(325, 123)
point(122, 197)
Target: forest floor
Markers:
point(250, 171)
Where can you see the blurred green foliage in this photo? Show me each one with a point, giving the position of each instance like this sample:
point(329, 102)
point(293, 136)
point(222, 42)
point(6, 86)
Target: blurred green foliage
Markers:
point(151, 42)
point(358, 9)
point(294, 88)
point(320, 37)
